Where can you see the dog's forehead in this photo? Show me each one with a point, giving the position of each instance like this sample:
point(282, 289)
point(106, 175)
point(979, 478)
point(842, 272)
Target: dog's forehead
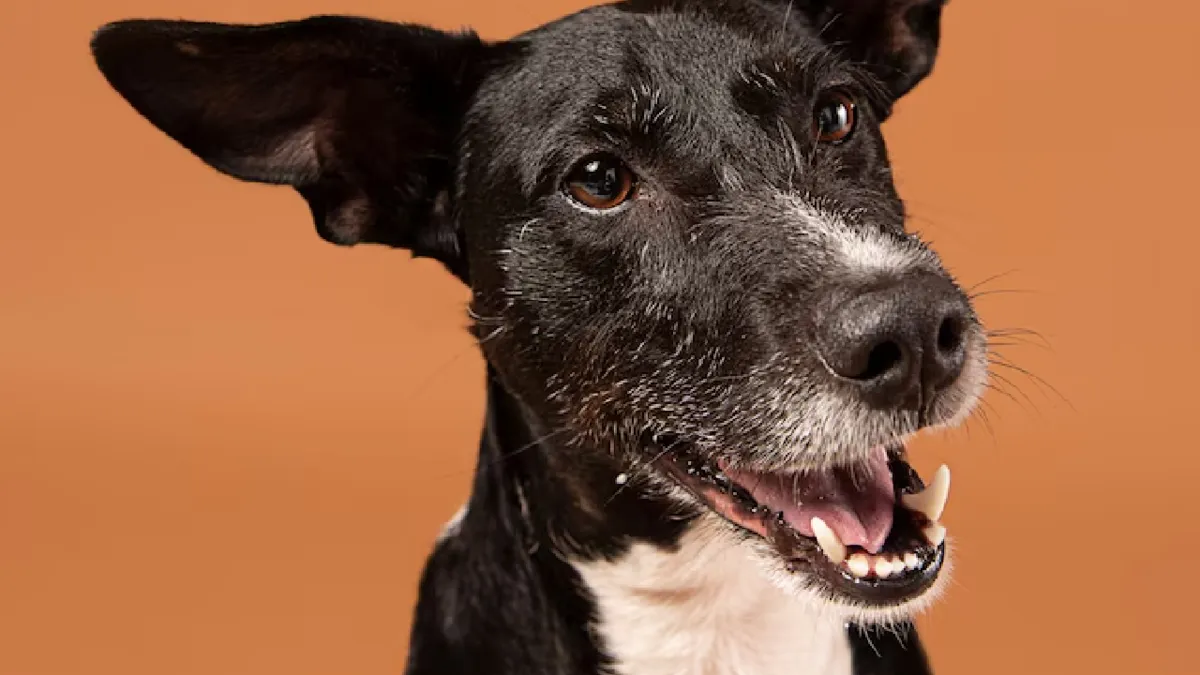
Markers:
point(676, 63)
point(663, 39)
point(608, 47)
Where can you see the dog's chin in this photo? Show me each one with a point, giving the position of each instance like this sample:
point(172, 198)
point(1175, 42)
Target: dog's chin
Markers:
point(861, 541)
point(811, 587)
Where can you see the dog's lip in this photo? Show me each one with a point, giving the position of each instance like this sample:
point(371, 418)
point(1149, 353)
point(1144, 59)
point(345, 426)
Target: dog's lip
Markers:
point(907, 566)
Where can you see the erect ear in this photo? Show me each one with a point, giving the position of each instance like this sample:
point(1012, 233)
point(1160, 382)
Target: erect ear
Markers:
point(897, 40)
point(360, 116)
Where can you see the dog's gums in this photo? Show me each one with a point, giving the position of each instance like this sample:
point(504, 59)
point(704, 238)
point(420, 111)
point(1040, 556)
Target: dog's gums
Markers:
point(870, 531)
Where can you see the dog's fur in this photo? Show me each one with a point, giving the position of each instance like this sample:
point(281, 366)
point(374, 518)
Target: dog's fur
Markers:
point(689, 313)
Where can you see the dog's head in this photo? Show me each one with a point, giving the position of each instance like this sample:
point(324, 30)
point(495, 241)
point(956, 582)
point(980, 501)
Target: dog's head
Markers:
point(679, 225)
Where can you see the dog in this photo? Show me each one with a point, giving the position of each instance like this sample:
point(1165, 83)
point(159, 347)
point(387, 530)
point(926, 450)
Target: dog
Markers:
point(708, 332)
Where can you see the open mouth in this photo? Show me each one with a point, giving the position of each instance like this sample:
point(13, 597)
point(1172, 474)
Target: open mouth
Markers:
point(868, 531)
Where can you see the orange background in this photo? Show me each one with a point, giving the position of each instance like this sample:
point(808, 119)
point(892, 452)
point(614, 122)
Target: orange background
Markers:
point(226, 446)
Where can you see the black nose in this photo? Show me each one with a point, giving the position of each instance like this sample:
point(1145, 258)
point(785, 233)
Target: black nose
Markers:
point(899, 344)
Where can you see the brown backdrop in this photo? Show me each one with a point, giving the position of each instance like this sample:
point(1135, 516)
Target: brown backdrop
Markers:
point(226, 446)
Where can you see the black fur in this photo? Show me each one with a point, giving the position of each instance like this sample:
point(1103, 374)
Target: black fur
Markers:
point(383, 104)
point(674, 318)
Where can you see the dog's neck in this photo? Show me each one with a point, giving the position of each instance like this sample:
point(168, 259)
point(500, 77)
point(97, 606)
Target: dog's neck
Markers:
point(705, 609)
point(532, 577)
point(498, 596)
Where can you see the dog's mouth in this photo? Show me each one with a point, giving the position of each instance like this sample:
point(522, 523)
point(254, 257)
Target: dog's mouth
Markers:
point(868, 532)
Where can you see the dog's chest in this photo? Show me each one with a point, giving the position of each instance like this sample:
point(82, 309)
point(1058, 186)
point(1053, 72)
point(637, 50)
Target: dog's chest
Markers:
point(705, 609)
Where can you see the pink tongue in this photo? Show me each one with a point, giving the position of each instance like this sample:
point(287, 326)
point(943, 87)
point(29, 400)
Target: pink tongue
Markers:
point(856, 504)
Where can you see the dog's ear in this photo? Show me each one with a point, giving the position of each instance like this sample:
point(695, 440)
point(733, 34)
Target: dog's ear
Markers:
point(360, 116)
point(897, 40)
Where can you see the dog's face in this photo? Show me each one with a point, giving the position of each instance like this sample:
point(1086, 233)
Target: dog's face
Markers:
point(679, 225)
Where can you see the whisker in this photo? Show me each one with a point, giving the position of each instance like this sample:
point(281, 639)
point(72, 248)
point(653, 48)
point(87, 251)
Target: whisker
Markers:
point(982, 419)
point(981, 413)
point(999, 291)
point(1004, 393)
point(485, 465)
point(1016, 333)
point(1004, 362)
point(634, 472)
point(498, 330)
point(1010, 383)
point(1009, 343)
point(479, 318)
point(988, 280)
point(438, 371)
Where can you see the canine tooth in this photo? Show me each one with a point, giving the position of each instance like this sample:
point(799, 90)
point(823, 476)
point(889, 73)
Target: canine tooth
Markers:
point(935, 533)
point(833, 547)
point(883, 568)
point(622, 478)
point(911, 560)
point(932, 500)
point(859, 564)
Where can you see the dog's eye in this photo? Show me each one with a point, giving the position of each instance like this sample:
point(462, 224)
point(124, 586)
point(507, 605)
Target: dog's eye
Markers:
point(834, 118)
point(601, 182)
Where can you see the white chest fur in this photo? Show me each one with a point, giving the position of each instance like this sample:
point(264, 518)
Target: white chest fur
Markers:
point(706, 609)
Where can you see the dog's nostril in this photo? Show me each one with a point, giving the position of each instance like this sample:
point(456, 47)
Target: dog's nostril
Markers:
point(883, 357)
point(901, 343)
point(950, 335)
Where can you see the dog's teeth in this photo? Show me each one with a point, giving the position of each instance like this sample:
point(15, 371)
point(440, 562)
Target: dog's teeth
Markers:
point(911, 560)
point(935, 533)
point(622, 479)
point(883, 567)
point(833, 547)
point(859, 564)
point(932, 500)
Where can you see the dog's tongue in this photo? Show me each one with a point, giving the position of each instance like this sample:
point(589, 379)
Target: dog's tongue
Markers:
point(855, 503)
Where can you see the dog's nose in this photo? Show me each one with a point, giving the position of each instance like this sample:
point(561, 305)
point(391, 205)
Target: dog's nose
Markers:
point(898, 344)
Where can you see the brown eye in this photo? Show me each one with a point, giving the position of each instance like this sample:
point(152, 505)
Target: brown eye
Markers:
point(834, 118)
point(601, 182)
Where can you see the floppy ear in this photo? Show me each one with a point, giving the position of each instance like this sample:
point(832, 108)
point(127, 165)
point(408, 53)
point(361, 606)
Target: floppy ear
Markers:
point(360, 117)
point(897, 40)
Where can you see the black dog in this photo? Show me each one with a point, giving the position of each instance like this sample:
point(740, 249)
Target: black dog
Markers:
point(707, 330)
